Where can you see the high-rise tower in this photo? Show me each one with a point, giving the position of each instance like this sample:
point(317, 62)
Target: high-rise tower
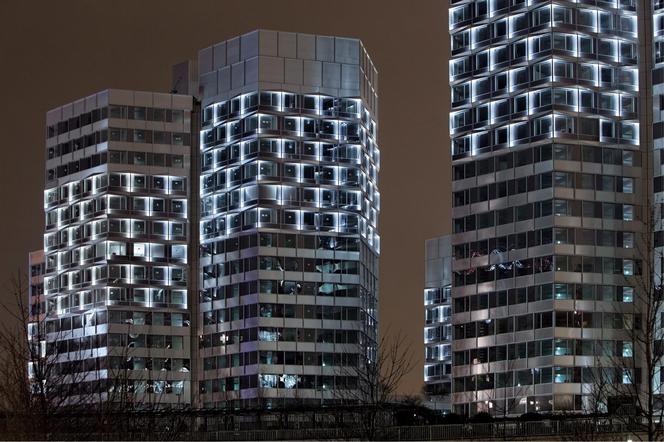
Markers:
point(288, 229)
point(279, 305)
point(35, 314)
point(548, 154)
point(115, 246)
point(438, 324)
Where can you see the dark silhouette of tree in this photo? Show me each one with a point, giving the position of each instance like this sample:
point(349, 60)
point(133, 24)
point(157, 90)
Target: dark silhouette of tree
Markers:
point(378, 379)
point(631, 375)
point(42, 391)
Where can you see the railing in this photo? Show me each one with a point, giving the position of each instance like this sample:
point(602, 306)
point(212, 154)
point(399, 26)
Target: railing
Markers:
point(509, 430)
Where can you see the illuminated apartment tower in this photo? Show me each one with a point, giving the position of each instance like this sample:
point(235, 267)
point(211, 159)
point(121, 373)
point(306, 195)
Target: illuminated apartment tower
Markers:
point(35, 309)
point(115, 245)
point(289, 200)
point(438, 325)
point(548, 198)
point(36, 304)
point(657, 123)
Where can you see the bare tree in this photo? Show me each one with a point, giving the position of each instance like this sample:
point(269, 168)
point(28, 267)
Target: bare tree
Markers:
point(378, 379)
point(39, 381)
point(43, 390)
point(632, 373)
point(513, 396)
point(17, 352)
point(597, 388)
point(505, 398)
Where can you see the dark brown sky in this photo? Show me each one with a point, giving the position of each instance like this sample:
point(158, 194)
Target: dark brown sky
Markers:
point(53, 52)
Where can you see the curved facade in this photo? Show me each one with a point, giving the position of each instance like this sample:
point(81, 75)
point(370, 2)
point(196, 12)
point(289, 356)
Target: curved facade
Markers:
point(547, 165)
point(288, 229)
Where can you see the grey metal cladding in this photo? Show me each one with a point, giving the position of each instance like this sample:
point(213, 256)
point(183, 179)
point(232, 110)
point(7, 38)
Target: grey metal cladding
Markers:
point(332, 75)
point(299, 62)
point(219, 52)
point(224, 79)
point(350, 76)
point(293, 71)
point(287, 44)
point(268, 43)
point(306, 46)
point(271, 69)
point(324, 48)
point(237, 75)
point(233, 50)
point(249, 45)
point(251, 70)
point(204, 61)
point(208, 84)
point(312, 73)
point(347, 50)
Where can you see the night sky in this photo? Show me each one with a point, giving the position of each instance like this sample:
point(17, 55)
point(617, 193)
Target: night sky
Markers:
point(54, 52)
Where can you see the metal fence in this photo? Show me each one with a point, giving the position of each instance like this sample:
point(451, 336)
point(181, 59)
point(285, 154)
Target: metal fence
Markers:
point(571, 429)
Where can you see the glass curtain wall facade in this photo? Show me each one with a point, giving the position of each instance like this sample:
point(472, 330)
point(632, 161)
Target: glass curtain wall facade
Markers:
point(438, 323)
point(289, 214)
point(115, 246)
point(547, 164)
